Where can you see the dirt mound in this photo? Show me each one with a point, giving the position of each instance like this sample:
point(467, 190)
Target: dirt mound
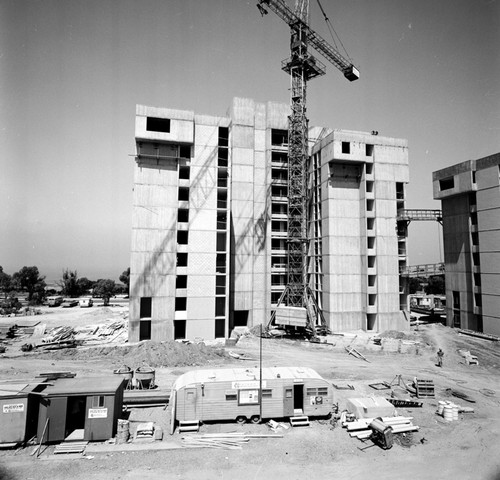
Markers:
point(154, 354)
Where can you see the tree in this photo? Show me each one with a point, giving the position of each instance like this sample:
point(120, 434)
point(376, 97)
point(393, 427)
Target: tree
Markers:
point(84, 285)
point(29, 279)
point(436, 285)
point(69, 283)
point(104, 289)
point(5, 282)
point(125, 279)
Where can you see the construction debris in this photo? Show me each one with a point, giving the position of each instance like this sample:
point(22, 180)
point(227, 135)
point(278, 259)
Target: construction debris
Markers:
point(469, 358)
point(226, 441)
point(145, 431)
point(402, 403)
point(460, 394)
point(343, 387)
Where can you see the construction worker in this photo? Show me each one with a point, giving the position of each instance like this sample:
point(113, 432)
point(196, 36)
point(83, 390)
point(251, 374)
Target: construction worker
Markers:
point(440, 355)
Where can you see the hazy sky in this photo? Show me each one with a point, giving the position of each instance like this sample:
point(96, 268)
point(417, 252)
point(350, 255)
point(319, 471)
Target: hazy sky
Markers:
point(72, 71)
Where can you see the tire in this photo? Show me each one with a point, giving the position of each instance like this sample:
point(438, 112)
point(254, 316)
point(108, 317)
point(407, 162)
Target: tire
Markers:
point(255, 419)
point(241, 420)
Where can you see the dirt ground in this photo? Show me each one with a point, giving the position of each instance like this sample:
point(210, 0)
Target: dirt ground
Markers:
point(464, 449)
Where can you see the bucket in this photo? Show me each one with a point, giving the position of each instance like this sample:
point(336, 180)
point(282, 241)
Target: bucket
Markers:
point(145, 377)
point(441, 405)
point(127, 373)
point(448, 412)
point(122, 431)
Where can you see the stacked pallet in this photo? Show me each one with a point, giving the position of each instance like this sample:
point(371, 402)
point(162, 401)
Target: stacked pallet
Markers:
point(361, 428)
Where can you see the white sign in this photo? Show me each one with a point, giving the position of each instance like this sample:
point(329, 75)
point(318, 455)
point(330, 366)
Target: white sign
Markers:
point(13, 408)
point(247, 384)
point(98, 412)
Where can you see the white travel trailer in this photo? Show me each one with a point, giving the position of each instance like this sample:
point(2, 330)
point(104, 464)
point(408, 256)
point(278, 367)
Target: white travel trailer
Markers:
point(233, 394)
point(86, 302)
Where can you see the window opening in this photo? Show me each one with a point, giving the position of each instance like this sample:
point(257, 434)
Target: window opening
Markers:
point(181, 281)
point(145, 307)
point(154, 124)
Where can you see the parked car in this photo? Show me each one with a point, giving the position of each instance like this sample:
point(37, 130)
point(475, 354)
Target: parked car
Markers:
point(86, 302)
point(69, 303)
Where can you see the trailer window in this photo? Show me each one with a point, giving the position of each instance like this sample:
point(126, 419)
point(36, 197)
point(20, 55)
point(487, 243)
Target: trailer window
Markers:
point(231, 395)
point(311, 392)
point(248, 397)
point(267, 393)
point(323, 391)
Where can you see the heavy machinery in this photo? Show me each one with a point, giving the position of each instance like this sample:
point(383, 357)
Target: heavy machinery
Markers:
point(301, 66)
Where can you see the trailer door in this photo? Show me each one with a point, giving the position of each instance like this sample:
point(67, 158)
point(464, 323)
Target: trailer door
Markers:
point(288, 401)
point(190, 404)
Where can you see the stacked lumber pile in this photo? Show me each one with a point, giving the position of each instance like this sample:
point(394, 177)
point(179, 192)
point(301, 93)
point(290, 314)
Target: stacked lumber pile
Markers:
point(226, 441)
point(59, 334)
point(361, 429)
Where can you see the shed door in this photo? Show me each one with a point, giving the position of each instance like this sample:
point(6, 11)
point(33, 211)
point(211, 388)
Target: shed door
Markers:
point(190, 404)
point(288, 401)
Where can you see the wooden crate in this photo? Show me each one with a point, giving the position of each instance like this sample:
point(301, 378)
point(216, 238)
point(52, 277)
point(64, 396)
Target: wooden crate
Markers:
point(425, 388)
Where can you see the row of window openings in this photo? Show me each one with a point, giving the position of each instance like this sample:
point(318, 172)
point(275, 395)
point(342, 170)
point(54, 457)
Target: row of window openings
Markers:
point(183, 217)
point(346, 148)
point(163, 125)
point(220, 261)
point(183, 237)
point(145, 307)
point(449, 183)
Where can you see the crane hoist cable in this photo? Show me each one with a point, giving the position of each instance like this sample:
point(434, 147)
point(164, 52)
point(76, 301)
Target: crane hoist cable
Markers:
point(332, 31)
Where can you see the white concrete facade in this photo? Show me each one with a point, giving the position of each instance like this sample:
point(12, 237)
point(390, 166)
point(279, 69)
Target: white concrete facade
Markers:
point(210, 216)
point(470, 199)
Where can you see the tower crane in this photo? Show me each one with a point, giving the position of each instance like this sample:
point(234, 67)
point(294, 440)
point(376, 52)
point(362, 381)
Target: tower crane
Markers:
point(301, 66)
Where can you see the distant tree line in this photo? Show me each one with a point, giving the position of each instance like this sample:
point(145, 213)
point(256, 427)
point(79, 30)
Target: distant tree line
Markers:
point(29, 280)
point(431, 286)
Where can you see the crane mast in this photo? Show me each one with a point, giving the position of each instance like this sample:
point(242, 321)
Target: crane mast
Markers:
point(301, 66)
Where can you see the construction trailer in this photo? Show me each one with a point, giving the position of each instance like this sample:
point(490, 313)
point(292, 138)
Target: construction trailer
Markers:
point(85, 408)
point(18, 413)
point(234, 394)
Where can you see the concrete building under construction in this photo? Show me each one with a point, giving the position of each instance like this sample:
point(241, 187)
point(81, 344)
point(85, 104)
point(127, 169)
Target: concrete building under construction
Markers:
point(210, 211)
point(470, 199)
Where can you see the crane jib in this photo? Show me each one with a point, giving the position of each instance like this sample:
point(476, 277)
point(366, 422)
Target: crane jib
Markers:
point(314, 40)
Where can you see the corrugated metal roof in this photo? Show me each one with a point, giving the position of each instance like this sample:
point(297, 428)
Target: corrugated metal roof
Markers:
point(14, 389)
point(84, 386)
point(240, 374)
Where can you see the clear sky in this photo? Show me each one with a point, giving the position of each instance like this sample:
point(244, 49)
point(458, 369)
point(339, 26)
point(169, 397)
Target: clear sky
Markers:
point(72, 71)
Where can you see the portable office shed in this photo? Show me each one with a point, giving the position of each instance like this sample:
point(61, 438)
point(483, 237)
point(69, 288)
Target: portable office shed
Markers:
point(89, 406)
point(233, 394)
point(18, 413)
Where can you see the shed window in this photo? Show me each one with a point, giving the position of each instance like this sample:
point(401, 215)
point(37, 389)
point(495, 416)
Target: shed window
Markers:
point(98, 401)
point(231, 395)
point(267, 393)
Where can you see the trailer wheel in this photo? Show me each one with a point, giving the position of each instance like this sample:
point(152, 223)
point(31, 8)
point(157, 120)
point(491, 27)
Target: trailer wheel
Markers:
point(255, 419)
point(241, 419)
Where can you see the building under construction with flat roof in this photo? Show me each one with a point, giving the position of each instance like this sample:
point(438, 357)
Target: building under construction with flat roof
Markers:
point(470, 199)
point(210, 223)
